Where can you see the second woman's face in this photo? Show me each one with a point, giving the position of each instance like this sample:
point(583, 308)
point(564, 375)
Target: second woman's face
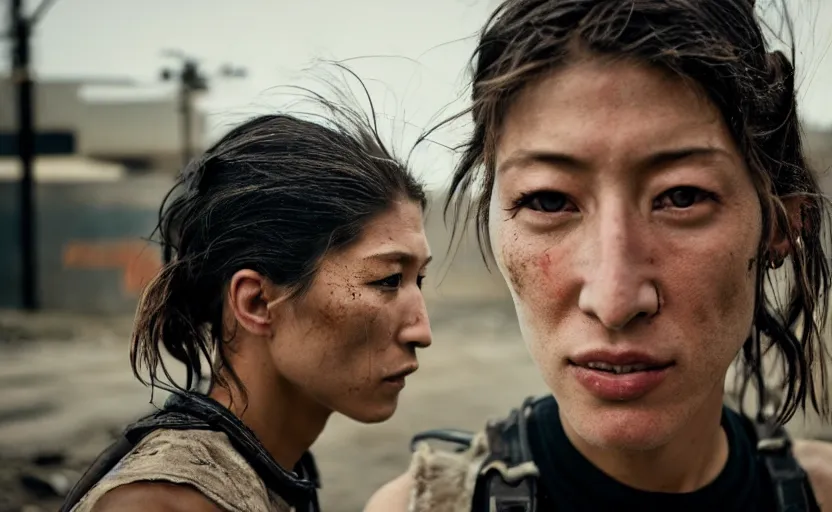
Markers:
point(350, 341)
point(627, 225)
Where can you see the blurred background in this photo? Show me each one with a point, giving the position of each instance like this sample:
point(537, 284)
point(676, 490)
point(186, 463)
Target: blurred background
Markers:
point(120, 93)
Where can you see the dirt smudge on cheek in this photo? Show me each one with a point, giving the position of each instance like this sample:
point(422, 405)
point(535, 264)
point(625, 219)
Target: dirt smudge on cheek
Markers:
point(352, 326)
point(334, 311)
point(521, 264)
point(515, 269)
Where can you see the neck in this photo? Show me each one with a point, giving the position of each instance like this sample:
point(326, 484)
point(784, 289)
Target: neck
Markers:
point(690, 461)
point(285, 420)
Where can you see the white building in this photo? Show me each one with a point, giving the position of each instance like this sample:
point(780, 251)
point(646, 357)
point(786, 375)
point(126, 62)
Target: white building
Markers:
point(134, 134)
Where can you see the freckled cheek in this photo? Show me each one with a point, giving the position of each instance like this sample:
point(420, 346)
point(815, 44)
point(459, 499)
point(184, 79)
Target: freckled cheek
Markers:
point(514, 258)
point(536, 271)
point(539, 277)
point(379, 332)
point(736, 290)
point(715, 291)
point(364, 334)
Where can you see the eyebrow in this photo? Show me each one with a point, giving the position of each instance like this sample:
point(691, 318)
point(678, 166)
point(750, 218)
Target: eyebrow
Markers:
point(563, 160)
point(405, 258)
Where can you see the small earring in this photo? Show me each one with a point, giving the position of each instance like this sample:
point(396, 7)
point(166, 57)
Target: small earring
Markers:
point(775, 263)
point(798, 242)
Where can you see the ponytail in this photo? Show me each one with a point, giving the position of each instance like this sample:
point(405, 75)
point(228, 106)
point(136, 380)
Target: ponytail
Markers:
point(246, 204)
point(174, 314)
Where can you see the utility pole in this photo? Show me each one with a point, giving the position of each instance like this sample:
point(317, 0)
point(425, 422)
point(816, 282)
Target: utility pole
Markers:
point(21, 77)
point(191, 81)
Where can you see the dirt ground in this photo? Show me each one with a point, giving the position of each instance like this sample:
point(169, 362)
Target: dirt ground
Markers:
point(67, 387)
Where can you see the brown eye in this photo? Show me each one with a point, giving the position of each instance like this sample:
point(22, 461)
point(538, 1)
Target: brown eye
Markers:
point(681, 197)
point(393, 281)
point(547, 202)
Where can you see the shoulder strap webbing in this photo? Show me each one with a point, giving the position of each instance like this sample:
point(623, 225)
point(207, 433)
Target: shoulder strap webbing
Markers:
point(461, 438)
point(191, 412)
point(508, 478)
point(791, 488)
point(290, 487)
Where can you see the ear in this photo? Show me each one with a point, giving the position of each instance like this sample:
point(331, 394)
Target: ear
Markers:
point(780, 245)
point(250, 297)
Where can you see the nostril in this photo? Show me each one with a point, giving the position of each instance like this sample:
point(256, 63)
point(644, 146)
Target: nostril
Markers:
point(413, 345)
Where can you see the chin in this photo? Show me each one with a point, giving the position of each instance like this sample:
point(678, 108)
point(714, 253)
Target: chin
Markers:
point(372, 412)
point(621, 426)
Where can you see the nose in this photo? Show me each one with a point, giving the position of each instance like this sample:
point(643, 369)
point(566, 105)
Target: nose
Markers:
point(617, 285)
point(416, 331)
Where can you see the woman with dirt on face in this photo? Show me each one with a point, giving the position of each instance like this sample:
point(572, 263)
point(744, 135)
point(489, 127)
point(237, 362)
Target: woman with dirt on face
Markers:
point(298, 257)
point(642, 179)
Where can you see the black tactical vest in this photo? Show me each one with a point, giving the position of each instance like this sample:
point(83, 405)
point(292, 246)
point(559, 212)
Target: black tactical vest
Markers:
point(509, 448)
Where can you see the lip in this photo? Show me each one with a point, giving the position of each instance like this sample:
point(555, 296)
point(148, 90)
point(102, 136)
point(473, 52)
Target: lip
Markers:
point(396, 383)
point(623, 387)
point(619, 358)
point(401, 374)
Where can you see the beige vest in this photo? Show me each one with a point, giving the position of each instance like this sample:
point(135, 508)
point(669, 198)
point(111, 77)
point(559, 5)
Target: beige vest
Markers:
point(203, 459)
point(444, 481)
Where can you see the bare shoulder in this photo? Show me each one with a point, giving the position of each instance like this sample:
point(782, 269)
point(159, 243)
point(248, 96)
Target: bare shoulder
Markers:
point(394, 496)
point(154, 497)
point(816, 459)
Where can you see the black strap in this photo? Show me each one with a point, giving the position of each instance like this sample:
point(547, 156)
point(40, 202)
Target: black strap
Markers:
point(214, 416)
point(510, 453)
point(461, 438)
point(508, 478)
point(509, 448)
point(191, 411)
point(792, 491)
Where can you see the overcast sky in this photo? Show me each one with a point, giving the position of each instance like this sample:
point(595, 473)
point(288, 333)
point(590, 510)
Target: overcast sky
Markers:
point(414, 52)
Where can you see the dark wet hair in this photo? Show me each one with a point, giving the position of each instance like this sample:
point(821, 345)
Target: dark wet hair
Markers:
point(719, 45)
point(275, 195)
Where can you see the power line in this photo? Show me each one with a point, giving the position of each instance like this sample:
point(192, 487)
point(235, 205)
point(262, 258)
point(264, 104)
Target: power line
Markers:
point(41, 11)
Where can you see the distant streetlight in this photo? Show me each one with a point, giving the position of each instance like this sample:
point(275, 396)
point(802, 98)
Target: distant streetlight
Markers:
point(192, 80)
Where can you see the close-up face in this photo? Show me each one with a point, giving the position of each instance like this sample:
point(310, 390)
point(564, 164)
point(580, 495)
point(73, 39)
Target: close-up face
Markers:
point(351, 339)
point(627, 225)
